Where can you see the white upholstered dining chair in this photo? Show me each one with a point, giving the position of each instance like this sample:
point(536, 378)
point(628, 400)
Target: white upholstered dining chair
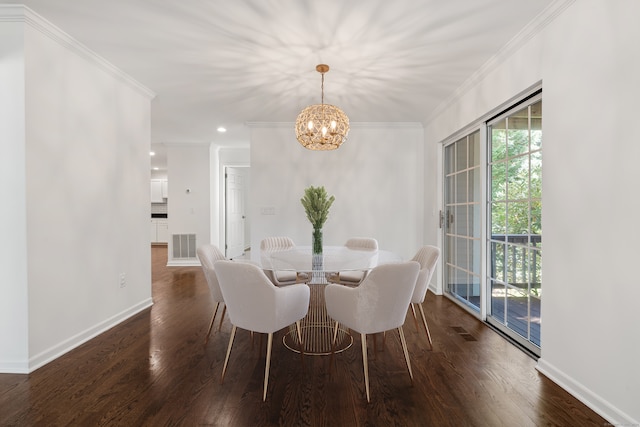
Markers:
point(282, 277)
point(379, 304)
point(428, 257)
point(354, 278)
point(255, 304)
point(208, 254)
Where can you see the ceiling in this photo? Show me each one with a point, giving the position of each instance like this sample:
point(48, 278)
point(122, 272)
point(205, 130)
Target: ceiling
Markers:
point(226, 63)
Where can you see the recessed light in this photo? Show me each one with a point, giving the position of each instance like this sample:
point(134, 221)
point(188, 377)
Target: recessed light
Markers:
point(222, 129)
point(152, 153)
point(156, 168)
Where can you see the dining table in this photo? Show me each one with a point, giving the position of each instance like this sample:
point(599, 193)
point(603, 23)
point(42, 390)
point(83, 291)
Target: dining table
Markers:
point(318, 271)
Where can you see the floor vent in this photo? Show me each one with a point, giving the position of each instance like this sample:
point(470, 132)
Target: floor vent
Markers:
point(463, 333)
point(184, 246)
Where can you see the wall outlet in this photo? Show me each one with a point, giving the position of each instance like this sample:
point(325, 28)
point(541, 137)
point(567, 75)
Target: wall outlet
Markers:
point(123, 281)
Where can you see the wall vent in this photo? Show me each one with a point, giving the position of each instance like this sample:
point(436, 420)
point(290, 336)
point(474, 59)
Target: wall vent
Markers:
point(184, 246)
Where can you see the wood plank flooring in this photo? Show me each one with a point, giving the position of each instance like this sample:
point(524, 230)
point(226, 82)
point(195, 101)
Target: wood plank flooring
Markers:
point(153, 370)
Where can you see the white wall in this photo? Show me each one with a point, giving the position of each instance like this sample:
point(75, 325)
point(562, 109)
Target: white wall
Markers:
point(588, 61)
point(14, 343)
point(189, 192)
point(376, 177)
point(86, 187)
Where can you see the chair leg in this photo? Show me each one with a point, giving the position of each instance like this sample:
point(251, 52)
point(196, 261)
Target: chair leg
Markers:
point(333, 347)
point(215, 311)
point(226, 359)
point(266, 368)
point(426, 328)
point(415, 318)
point(224, 310)
point(363, 338)
point(406, 352)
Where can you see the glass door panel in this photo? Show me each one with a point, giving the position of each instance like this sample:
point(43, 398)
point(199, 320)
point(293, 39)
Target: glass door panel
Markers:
point(462, 220)
point(515, 232)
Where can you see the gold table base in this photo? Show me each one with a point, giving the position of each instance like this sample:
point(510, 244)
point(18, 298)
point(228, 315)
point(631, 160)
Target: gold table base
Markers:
point(317, 329)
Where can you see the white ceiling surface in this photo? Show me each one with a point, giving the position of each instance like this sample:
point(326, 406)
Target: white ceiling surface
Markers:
point(225, 63)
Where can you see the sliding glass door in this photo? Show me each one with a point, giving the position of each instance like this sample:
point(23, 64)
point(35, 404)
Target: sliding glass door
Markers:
point(491, 220)
point(515, 232)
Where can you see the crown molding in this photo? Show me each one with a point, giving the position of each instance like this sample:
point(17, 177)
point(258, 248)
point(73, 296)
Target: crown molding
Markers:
point(21, 13)
point(352, 125)
point(533, 28)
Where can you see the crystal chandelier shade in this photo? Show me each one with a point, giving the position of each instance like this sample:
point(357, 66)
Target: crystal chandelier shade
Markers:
point(322, 126)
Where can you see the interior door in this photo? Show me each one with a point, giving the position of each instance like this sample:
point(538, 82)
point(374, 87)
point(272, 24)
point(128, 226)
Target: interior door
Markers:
point(235, 185)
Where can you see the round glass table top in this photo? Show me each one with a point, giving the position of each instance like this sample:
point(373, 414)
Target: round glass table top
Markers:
point(334, 259)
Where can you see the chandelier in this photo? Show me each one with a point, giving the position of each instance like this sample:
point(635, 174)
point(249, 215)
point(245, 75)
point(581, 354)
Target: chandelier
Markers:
point(322, 126)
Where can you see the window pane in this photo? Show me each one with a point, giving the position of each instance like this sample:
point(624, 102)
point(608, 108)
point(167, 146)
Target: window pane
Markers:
point(535, 265)
point(498, 181)
point(473, 184)
point(518, 133)
point(461, 187)
point(449, 159)
point(461, 154)
point(474, 149)
point(518, 178)
point(462, 253)
point(518, 220)
point(497, 301)
point(536, 217)
point(451, 248)
point(461, 220)
point(450, 188)
point(497, 261)
point(517, 311)
point(498, 219)
point(536, 175)
point(498, 141)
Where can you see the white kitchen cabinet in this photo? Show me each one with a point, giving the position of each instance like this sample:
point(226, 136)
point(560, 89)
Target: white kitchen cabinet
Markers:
point(159, 190)
point(159, 230)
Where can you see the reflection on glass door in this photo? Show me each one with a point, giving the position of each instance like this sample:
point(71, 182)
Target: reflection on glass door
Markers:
point(515, 232)
point(461, 220)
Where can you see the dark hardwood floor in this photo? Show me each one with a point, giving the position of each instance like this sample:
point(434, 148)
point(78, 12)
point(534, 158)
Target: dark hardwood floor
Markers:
point(153, 370)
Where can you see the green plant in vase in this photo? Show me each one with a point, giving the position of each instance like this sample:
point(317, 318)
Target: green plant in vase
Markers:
point(316, 204)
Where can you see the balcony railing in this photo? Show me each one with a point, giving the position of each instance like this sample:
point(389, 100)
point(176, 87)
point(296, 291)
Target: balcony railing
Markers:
point(520, 271)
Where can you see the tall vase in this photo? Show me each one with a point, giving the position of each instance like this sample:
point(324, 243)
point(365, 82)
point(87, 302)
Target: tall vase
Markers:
point(317, 260)
point(317, 241)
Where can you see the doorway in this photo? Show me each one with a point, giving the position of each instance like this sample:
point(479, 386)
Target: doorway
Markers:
point(491, 221)
point(237, 224)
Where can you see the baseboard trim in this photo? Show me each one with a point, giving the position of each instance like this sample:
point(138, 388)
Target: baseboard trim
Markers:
point(184, 263)
point(58, 350)
point(602, 407)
